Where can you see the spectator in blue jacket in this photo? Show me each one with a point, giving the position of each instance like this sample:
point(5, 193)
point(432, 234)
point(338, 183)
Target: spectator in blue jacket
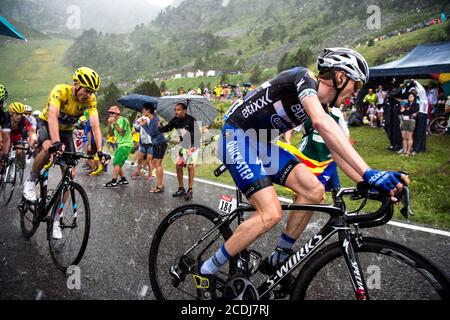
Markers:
point(159, 144)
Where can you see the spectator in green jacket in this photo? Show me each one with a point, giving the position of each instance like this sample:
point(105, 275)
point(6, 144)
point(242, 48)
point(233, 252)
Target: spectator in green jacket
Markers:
point(120, 128)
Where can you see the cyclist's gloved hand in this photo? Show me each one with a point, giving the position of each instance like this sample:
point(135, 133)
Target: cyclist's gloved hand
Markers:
point(57, 147)
point(383, 180)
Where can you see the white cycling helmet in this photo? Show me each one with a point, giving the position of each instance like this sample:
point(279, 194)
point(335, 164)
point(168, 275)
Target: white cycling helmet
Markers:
point(28, 108)
point(36, 113)
point(348, 60)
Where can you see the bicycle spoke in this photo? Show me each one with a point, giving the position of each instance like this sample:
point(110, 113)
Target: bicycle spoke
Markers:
point(69, 250)
point(168, 250)
point(389, 275)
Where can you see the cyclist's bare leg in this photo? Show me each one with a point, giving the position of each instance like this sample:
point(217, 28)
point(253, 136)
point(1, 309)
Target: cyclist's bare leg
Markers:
point(41, 159)
point(308, 190)
point(267, 215)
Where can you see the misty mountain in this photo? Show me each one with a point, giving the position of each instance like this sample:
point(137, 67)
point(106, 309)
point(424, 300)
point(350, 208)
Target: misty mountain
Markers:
point(74, 16)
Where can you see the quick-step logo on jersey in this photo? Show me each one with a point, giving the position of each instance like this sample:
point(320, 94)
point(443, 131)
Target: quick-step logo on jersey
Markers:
point(241, 165)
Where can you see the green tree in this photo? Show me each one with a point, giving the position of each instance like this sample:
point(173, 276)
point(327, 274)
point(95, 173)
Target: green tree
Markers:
point(255, 74)
point(223, 78)
point(282, 33)
point(199, 63)
point(282, 63)
point(163, 86)
point(267, 35)
point(303, 57)
point(148, 88)
point(109, 96)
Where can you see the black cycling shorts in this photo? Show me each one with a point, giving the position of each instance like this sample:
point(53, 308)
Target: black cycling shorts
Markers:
point(43, 133)
point(5, 121)
point(159, 150)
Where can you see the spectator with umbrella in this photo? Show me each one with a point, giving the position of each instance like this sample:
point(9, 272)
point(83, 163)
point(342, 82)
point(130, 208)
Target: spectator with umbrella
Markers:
point(147, 106)
point(159, 144)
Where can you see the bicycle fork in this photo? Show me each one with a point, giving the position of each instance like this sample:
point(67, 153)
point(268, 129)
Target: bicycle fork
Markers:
point(353, 265)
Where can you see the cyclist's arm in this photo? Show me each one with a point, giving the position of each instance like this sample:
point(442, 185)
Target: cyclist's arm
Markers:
point(95, 124)
point(53, 123)
point(6, 141)
point(32, 137)
point(346, 168)
point(330, 131)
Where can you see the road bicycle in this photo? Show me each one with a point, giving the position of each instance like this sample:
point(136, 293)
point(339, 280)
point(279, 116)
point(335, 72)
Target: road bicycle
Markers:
point(12, 173)
point(438, 125)
point(354, 266)
point(67, 205)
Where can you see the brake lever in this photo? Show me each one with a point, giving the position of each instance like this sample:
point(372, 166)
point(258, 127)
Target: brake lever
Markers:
point(405, 199)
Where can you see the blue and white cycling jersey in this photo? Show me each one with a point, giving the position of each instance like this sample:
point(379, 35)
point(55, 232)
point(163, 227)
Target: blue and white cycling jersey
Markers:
point(245, 145)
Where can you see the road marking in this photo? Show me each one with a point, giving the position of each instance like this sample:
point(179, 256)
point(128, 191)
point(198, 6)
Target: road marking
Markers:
point(392, 223)
point(286, 200)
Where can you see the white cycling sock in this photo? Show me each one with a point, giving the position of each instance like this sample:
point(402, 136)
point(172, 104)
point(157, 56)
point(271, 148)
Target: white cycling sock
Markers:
point(213, 264)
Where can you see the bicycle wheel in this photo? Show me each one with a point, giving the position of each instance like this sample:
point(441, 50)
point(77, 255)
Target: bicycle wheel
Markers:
point(391, 272)
point(72, 212)
point(8, 184)
point(176, 234)
point(20, 167)
point(437, 126)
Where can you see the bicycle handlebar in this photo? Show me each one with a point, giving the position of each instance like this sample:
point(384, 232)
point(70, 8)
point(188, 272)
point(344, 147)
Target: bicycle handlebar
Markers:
point(362, 191)
point(380, 216)
point(69, 158)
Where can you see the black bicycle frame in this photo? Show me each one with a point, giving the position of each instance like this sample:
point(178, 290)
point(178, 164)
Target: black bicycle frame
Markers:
point(336, 224)
point(45, 206)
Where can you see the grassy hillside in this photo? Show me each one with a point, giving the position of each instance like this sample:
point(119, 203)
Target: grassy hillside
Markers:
point(392, 48)
point(30, 70)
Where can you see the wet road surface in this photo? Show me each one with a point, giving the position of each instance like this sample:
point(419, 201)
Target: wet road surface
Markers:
point(123, 221)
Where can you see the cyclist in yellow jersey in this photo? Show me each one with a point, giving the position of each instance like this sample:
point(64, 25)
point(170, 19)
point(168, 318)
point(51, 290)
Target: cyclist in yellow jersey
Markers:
point(66, 104)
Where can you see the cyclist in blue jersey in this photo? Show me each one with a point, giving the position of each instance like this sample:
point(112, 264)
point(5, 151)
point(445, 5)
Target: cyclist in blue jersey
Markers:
point(245, 147)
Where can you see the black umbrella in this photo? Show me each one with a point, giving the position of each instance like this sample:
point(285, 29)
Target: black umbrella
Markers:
point(136, 101)
point(198, 107)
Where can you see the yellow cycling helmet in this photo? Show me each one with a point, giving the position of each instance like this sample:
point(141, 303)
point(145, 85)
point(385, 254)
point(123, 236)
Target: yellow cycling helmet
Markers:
point(3, 93)
point(16, 107)
point(87, 78)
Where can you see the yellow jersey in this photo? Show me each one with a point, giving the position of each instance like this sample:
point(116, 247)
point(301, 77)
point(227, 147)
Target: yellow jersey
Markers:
point(70, 110)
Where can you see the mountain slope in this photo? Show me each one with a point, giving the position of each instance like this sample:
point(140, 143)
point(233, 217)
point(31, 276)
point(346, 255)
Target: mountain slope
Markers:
point(73, 16)
point(236, 35)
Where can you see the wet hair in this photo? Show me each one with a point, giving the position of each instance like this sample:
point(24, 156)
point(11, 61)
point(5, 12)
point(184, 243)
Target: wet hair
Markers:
point(183, 105)
point(148, 106)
